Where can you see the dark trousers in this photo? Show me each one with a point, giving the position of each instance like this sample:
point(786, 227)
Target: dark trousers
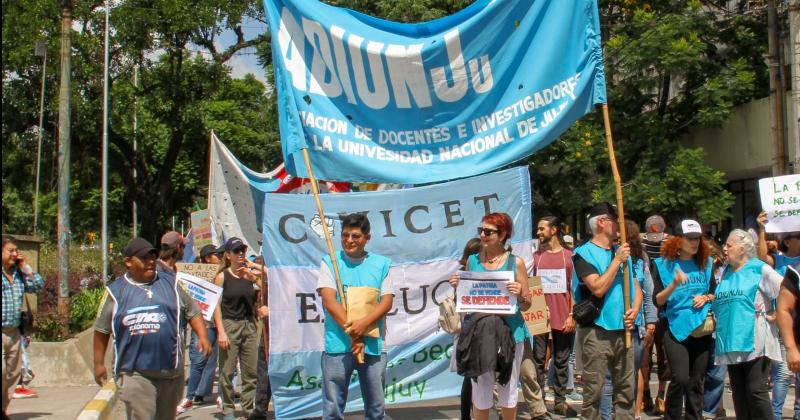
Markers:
point(263, 389)
point(688, 361)
point(656, 341)
point(466, 399)
point(562, 348)
point(750, 392)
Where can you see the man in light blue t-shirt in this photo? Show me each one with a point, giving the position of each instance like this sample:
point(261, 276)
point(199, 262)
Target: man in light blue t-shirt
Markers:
point(343, 340)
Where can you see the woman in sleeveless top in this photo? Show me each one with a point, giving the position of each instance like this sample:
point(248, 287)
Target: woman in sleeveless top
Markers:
point(494, 231)
point(237, 335)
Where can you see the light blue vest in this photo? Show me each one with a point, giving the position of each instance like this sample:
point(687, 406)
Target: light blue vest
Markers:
point(515, 322)
point(613, 309)
point(735, 308)
point(683, 317)
point(782, 262)
point(146, 330)
point(368, 273)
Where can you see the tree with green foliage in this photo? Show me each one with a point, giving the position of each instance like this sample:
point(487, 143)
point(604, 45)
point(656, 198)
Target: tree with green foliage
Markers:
point(671, 65)
point(185, 90)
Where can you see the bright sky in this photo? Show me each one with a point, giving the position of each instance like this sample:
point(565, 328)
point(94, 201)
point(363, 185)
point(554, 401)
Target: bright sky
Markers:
point(245, 61)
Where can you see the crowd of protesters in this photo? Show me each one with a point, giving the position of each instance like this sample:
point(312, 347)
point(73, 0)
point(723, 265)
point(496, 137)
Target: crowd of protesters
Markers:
point(701, 310)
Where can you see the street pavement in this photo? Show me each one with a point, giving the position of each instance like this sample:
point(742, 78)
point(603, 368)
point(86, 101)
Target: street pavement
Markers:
point(439, 409)
point(52, 403)
point(66, 402)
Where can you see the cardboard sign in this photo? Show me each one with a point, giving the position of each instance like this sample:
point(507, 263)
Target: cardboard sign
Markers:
point(205, 293)
point(485, 292)
point(204, 271)
point(536, 317)
point(201, 229)
point(780, 198)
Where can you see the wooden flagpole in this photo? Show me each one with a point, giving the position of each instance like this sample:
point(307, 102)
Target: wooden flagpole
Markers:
point(626, 286)
point(315, 191)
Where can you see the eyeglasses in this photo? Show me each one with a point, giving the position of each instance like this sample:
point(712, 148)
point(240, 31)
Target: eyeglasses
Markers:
point(240, 250)
point(353, 236)
point(487, 231)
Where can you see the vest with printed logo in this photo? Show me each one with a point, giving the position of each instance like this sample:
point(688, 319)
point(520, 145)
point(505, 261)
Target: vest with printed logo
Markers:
point(146, 329)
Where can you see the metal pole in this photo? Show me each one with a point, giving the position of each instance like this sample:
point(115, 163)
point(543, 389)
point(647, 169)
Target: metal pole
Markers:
point(40, 47)
point(135, 127)
point(64, 110)
point(794, 51)
point(777, 94)
point(104, 176)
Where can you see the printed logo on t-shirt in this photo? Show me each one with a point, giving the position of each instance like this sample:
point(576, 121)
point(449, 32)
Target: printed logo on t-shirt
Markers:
point(143, 320)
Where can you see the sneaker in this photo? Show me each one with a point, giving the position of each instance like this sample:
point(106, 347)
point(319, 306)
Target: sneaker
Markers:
point(22, 392)
point(574, 397)
point(185, 405)
point(219, 403)
point(562, 409)
point(198, 400)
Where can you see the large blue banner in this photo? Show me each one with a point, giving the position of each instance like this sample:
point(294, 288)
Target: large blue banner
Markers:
point(423, 230)
point(380, 101)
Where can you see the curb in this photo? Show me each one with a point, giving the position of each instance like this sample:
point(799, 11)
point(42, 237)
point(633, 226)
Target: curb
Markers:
point(99, 408)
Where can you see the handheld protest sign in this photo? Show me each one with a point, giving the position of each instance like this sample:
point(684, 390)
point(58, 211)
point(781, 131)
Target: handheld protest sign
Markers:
point(536, 317)
point(485, 292)
point(780, 198)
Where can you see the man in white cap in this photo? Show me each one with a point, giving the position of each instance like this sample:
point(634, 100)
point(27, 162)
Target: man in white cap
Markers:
point(569, 242)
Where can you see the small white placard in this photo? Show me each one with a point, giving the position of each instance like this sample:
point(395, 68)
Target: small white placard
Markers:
point(205, 293)
point(485, 292)
point(780, 198)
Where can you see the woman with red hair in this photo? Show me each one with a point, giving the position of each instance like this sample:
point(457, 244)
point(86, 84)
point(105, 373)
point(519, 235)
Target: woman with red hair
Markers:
point(494, 232)
point(683, 289)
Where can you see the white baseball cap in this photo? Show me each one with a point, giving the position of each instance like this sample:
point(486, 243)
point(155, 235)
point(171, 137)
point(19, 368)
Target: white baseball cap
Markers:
point(689, 229)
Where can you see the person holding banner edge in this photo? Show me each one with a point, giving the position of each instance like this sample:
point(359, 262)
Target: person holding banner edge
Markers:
point(494, 231)
point(602, 319)
point(237, 334)
point(346, 340)
point(202, 370)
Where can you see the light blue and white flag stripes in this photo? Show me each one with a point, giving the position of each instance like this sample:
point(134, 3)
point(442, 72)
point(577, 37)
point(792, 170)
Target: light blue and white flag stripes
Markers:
point(387, 102)
point(423, 230)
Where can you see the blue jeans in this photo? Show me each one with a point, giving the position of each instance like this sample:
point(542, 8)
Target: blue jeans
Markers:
point(337, 371)
point(781, 380)
point(606, 403)
point(202, 371)
point(714, 385)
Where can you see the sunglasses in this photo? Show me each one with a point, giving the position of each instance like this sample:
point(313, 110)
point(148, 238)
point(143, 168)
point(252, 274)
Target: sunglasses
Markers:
point(240, 250)
point(487, 231)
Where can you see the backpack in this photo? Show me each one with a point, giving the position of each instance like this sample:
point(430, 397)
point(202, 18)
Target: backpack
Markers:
point(449, 319)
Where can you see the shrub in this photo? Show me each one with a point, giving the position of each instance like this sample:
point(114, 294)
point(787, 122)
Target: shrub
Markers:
point(83, 309)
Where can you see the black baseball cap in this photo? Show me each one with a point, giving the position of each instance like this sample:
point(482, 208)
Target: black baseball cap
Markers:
point(233, 244)
point(604, 208)
point(139, 247)
point(210, 249)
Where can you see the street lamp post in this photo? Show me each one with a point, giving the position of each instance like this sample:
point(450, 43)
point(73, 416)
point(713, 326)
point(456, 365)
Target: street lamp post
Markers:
point(41, 51)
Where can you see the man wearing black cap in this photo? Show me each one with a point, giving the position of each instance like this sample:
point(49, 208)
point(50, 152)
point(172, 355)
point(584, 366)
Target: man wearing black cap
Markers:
point(598, 279)
point(147, 313)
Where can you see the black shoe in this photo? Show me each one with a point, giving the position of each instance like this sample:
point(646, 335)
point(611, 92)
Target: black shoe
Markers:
point(563, 409)
point(198, 400)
